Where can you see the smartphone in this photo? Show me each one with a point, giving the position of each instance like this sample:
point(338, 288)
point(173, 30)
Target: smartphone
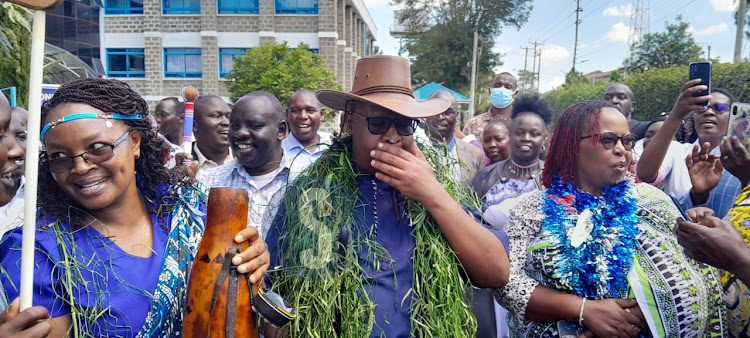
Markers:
point(679, 207)
point(568, 329)
point(701, 70)
point(739, 123)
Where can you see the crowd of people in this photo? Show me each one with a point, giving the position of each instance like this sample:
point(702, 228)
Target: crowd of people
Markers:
point(400, 224)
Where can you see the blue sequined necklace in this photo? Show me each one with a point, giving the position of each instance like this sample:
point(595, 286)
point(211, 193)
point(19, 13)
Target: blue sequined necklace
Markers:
point(595, 249)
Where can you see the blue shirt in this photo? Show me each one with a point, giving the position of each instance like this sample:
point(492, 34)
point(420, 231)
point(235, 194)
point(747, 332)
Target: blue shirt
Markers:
point(395, 235)
point(300, 157)
point(122, 305)
point(721, 198)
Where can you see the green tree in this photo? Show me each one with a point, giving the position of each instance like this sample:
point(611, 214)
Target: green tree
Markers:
point(676, 46)
point(15, 42)
point(280, 70)
point(440, 36)
point(574, 77)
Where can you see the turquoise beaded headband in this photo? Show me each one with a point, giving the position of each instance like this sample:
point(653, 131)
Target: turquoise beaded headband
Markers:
point(81, 116)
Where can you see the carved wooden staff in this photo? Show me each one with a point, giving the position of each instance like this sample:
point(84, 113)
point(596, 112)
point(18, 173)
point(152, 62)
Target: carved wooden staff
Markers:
point(219, 299)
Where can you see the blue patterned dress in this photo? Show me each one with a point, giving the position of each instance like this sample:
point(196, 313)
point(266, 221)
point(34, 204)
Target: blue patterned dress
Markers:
point(107, 291)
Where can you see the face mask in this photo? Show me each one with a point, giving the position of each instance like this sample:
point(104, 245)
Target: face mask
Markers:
point(501, 97)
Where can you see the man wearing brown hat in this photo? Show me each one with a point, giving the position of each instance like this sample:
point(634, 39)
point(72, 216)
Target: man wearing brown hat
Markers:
point(368, 242)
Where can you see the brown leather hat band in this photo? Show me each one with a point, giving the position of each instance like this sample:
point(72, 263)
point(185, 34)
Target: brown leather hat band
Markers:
point(384, 89)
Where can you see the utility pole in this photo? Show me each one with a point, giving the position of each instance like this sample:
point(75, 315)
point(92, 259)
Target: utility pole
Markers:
point(533, 66)
point(473, 85)
point(525, 69)
point(578, 22)
point(539, 72)
point(708, 56)
point(740, 30)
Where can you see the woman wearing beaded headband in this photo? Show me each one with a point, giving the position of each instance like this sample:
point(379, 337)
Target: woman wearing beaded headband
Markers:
point(117, 230)
point(582, 250)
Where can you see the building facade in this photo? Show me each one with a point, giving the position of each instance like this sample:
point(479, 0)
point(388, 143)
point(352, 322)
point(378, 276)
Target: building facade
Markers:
point(161, 46)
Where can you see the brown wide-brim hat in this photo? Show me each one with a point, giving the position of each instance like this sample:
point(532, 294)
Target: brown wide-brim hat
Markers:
point(384, 81)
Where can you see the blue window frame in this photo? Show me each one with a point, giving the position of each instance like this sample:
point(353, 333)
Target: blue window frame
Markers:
point(182, 62)
point(238, 7)
point(181, 6)
point(296, 6)
point(315, 51)
point(126, 62)
point(226, 59)
point(119, 7)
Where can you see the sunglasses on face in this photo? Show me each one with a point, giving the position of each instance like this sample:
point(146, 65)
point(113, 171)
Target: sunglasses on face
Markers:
point(718, 108)
point(380, 125)
point(609, 140)
point(101, 153)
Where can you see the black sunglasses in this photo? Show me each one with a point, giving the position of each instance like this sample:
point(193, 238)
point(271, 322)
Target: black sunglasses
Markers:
point(609, 140)
point(95, 155)
point(719, 108)
point(380, 125)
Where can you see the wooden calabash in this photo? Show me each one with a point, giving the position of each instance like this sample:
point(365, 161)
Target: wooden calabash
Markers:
point(218, 298)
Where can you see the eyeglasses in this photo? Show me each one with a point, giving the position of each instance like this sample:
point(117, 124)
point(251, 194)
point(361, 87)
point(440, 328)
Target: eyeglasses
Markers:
point(609, 140)
point(719, 108)
point(380, 125)
point(97, 155)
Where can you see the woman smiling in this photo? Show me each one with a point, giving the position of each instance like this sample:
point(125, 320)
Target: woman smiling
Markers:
point(117, 230)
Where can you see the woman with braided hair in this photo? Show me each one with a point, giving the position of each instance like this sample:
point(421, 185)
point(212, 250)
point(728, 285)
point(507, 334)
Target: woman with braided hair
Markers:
point(117, 231)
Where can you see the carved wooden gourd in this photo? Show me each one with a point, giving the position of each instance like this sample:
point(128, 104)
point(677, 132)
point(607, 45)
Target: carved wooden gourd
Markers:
point(218, 298)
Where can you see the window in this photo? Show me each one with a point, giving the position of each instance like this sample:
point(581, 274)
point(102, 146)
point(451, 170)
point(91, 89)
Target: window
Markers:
point(115, 7)
point(367, 42)
point(315, 51)
point(226, 59)
point(126, 62)
point(181, 6)
point(182, 62)
point(296, 6)
point(238, 6)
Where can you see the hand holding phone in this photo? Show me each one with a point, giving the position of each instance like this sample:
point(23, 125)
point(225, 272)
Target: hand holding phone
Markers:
point(739, 123)
point(701, 70)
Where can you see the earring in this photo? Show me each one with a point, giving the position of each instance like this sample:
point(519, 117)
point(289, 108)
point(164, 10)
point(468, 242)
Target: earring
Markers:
point(544, 148)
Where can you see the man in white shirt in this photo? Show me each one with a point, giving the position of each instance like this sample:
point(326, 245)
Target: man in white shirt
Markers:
point(257, 127)
point(304, 145)
point(211, 130)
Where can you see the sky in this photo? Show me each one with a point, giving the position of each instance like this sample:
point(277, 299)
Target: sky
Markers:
point(603, 33)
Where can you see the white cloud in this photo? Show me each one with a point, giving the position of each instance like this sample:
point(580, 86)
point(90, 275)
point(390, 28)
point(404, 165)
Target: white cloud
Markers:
point(619, 32)
point(501, 49)
point(719, 28)
point(724, 6)
point(619, 11)
point(553, 53)
point(554, 82)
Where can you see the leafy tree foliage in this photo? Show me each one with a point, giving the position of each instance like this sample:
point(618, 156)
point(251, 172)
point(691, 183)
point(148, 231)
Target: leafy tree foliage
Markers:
point(656, 90)
point(676, 46)
point(440, 36)
point(15, 42)
point(280, 70)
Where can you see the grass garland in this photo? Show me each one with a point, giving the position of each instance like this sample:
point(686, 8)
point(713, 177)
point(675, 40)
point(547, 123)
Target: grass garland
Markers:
point(335, 293)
